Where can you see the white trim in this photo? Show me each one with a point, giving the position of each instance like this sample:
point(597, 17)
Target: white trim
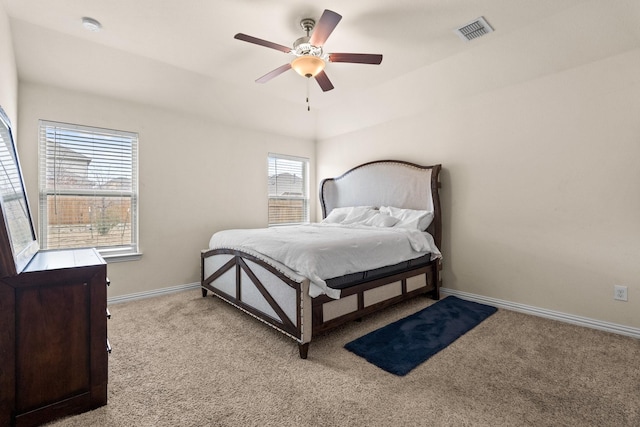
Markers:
point(508, 305)
point(153, 293)
point(549, 314)
point(121, 257)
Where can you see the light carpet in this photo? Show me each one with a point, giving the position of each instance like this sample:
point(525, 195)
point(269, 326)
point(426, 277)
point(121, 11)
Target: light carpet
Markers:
point(184, 360)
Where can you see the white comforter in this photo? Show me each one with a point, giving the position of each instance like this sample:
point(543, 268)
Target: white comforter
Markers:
point(324, 251)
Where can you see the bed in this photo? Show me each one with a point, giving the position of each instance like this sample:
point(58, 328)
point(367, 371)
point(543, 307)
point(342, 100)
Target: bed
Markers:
point(268, 273)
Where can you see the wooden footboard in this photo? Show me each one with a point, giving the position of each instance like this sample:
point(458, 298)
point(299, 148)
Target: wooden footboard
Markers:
point(275, 297)
point(280, 298)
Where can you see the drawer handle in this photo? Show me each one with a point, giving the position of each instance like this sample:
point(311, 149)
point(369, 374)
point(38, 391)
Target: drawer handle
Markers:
point(108, 314)
point(108, 282)
point(108, 346)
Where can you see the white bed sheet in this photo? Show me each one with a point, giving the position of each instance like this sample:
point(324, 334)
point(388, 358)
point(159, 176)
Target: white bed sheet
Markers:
point(323, 251)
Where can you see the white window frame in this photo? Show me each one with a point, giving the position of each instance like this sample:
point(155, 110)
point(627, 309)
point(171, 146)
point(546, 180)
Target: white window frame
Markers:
point(112, 253)
point(304, 197)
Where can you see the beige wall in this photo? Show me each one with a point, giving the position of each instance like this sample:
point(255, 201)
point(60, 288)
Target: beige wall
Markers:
point(8, 73)
point(541, 183)
point(196, 177)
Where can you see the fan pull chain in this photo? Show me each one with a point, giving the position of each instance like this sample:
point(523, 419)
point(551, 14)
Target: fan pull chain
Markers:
point(308, 106)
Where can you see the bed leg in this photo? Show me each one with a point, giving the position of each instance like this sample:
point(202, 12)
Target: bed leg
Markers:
point(435, 293)
point(303, 349)
point(204, 292)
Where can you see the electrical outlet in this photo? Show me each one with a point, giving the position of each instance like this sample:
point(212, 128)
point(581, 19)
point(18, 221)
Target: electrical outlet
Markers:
point(620, 293)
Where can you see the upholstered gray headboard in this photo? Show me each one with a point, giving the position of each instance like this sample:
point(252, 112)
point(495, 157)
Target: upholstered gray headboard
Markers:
point(386, 183)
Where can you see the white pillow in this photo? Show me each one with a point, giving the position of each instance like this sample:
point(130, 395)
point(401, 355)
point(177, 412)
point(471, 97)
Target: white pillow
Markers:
point(381, 220)
point(409, 218)
point(338, 215)
point(335, 216)
point(359, 214)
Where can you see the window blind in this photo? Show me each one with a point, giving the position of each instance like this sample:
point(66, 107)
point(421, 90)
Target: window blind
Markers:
point(288, 190)
point(88, 181)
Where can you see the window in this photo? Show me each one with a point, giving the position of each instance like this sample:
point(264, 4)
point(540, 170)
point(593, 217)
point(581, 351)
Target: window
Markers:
point(88, 189)
point(288, 190)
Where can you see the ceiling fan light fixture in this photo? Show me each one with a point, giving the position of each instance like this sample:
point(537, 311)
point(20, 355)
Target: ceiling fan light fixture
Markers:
point(310, 59)
point(308, 65)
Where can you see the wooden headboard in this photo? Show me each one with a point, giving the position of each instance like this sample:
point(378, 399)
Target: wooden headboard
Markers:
point(386, 183)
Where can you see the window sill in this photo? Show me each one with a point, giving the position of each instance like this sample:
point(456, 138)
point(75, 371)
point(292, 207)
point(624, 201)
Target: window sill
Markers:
point(111, 258)
point(286, 224)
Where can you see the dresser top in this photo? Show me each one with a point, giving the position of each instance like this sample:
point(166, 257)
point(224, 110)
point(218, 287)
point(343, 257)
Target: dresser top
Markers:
point(65, 258)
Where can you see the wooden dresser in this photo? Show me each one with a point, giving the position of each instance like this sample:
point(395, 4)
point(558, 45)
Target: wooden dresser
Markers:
point(53, 337)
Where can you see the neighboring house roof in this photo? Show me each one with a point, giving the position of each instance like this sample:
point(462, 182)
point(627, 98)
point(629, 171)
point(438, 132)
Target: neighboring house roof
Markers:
point(285, 184)
point(66, 153)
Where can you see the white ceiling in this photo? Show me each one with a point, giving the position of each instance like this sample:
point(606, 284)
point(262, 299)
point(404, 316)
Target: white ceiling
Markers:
point(182, 54)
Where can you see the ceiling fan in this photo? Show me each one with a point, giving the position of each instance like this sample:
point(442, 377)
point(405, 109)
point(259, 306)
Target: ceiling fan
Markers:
point(310, 59)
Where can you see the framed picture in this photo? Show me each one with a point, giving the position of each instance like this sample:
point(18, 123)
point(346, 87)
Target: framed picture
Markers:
point(18, 242)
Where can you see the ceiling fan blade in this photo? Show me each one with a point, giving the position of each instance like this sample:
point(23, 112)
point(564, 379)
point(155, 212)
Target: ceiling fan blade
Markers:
point(356, 58)
point(323, 81)
point(324, 27)
point(261, 42)
point(274, 73)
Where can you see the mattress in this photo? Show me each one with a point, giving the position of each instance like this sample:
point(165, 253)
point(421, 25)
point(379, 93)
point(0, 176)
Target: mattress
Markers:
point(348, 280)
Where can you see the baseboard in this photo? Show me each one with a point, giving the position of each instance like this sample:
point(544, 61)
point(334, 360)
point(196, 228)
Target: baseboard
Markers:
point(152, 293)
point(549, 314)
point(508, 305)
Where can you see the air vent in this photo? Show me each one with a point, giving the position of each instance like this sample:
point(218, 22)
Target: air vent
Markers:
point(474, 29)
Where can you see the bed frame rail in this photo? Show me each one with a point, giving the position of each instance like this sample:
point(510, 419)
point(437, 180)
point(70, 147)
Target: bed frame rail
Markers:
point(358, 301)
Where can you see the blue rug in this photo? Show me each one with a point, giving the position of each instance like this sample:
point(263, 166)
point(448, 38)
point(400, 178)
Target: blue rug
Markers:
point(402, 345)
